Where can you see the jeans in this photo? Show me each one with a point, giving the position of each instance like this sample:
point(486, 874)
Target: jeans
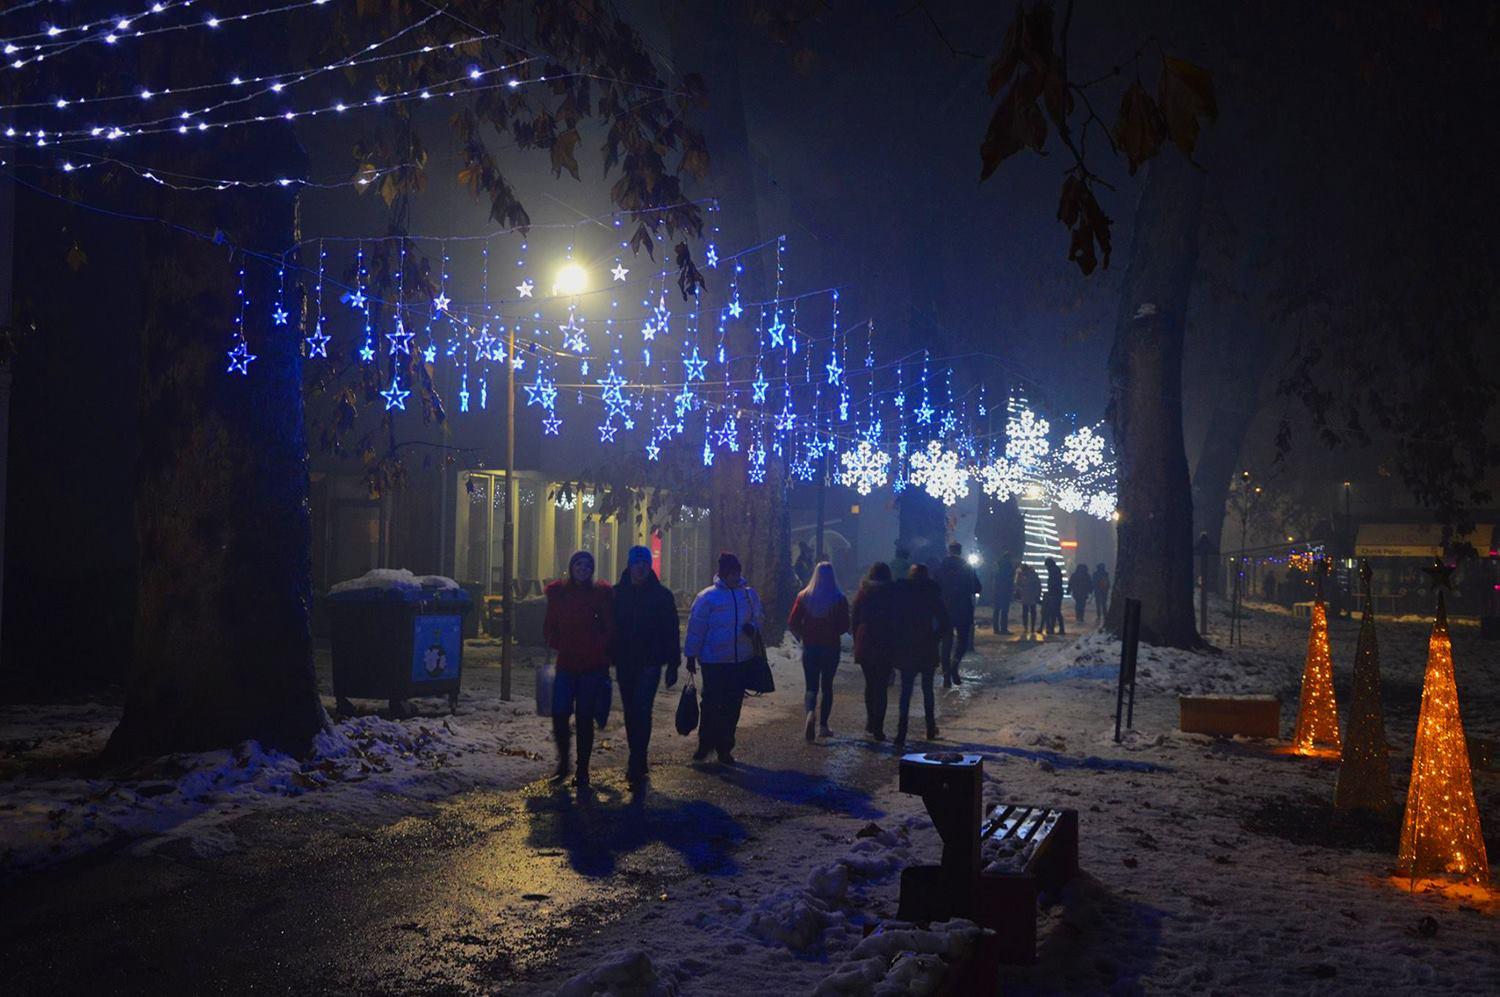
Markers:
point(723, 694)
point(1001, 622)
point(1028, 617)
point(819, 664)
point(877, 678)
point(637, 697)
point(576, 693)
point(1098, 609)
point(955, 644)
point(908, 682)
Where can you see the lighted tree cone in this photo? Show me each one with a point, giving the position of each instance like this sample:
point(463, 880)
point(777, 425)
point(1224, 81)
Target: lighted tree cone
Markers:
point(1365, 774)
point(1441, 833)
point(1317, 712)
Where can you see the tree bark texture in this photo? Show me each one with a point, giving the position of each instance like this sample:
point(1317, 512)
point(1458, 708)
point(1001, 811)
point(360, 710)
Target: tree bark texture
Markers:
point(1155, 556)
point(223, 650)
point(749, 519)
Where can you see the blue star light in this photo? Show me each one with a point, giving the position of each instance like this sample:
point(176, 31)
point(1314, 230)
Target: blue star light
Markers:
point(758, 388)
point(735, 309)
point(711, 256)
point(429, 354)
point(317, 343)
point(441, 302)
point(708, 455)
point(551, 425)
point(924, 414)
point(367, 352)
point(607, 432)
point(279, 316)
point(400, 339)
point(239, 359)
point(395, 396)
point(652, 451)
point(834, 370)
point(695, 366)
point(358, 299)
point(778, 334)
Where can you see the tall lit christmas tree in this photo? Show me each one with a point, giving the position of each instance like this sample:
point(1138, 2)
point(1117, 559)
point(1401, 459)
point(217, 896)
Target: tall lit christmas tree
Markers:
point(1026, 444)
point(1318, 712)
point(1440, 833)
point(1365, 774)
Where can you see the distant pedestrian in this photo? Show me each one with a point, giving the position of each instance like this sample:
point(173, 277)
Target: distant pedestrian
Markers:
point(876, 642)
point(646, 640)
point(923, 620)
point(820, 617)
point(1080, 587)
point(1005, 592)
point(1029, 591)
point(959, 583)
point(803, 566)
point(901, 563)
point(721, 631)
point(1052, 617)
point(579, 626)
point(1101, 592)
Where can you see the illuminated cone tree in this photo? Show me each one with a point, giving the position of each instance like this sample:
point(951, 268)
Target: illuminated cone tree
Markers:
point(1365, 773)
point(1440, 833)
point(1317, 712)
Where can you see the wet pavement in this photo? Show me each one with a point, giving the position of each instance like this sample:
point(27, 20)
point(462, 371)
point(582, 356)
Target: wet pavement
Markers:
point(476, 895)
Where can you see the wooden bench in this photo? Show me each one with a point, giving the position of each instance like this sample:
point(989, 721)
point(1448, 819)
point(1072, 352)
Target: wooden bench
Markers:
point(1045, 843)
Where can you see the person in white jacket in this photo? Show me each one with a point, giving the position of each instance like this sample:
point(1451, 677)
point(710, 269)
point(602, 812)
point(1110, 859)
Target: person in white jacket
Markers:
point(721, 631)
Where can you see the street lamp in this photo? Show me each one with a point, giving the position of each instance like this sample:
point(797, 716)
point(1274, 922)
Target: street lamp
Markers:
point(572, 280)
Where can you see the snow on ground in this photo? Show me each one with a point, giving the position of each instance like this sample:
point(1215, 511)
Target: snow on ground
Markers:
point(1211, 865)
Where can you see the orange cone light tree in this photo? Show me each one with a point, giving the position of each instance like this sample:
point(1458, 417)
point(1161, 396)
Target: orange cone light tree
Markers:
point(1365, 773)
point(1318, 712)
point(1441, 833)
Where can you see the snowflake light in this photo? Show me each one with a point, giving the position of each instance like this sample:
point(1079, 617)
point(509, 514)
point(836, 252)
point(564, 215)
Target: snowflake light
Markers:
point(1101, 505)
point(1026, 437)
point(865, 468)
point(1083, 449)
point(940, 473)
point(1001, 478)
point(1069, 497)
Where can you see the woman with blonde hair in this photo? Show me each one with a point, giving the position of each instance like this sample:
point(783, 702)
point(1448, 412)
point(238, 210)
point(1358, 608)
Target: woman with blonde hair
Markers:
point(820, 617)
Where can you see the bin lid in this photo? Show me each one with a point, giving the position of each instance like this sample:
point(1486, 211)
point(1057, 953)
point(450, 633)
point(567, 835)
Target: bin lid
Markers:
point(399, 585)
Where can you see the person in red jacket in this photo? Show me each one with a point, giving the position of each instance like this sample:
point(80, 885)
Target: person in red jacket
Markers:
point(579, 626)
point(820, 616)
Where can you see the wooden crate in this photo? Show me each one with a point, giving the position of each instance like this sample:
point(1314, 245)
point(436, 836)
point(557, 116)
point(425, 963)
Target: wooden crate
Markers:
point(1251, 716)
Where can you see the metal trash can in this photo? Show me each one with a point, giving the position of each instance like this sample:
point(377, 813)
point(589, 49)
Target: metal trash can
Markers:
point(395, 643)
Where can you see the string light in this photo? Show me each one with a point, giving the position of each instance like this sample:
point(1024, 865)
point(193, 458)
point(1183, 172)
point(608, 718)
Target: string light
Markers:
point(1317, 710)
point(1364, 781)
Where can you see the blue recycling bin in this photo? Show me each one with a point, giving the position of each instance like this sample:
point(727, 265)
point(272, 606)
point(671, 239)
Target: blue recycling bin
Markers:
point(395, 644)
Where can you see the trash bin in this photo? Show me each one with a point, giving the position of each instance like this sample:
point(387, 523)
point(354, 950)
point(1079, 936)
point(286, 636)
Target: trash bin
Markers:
point(396, 643)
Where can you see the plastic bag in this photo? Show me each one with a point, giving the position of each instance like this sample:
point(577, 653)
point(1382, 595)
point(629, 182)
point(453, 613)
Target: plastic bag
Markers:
point(546, 679)
point(687, 709)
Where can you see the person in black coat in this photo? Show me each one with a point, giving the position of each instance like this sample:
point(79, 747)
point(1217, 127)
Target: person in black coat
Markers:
point(647, 638)
point(959, 583)
point(1052, 615)
point(1005, 591)
point(923, 619)
point(1080, 587)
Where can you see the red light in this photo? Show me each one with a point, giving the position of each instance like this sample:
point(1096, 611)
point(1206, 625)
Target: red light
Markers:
point(1069, 544)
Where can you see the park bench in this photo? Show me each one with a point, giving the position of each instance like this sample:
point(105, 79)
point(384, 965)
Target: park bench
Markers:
point(993, 867)
point(1026, 850)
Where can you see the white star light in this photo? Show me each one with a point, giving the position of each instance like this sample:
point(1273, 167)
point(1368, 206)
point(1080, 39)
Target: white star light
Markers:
point(279, 316)
point(429, 354)
point(620, 271)
point(317, 343)
point(711, 256)
point(441, 302)
point(939, 472)
point(865, 468)
point(367, 352)
point(735, 309)
point(551, 425)
point(525, 288)
point(358, 299)
point(400, 339)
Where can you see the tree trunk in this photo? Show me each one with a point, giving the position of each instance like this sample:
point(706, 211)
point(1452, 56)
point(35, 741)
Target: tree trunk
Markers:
point(1236, 397)
point(223, 650)
point(1155, 558)
point(750, 519)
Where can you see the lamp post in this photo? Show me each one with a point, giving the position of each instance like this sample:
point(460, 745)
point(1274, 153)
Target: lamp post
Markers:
point(508, 542)
point(1247, 496)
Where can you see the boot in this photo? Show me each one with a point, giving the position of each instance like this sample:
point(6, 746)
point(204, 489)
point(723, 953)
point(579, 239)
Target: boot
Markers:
point(564, 765)
point(810, 728)
point(932, 732)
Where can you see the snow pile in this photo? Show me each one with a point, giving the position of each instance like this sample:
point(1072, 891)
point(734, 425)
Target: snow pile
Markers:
point(631, 974)
point(902, 959)
point(396, 580)
point(1096, 657)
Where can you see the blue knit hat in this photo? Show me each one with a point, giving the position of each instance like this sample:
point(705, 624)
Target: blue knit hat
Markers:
point(638, 553)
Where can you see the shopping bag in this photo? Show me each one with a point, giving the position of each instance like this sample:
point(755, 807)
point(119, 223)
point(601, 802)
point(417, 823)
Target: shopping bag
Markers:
point(758, 678)
point(687, 709)
point(546, 679)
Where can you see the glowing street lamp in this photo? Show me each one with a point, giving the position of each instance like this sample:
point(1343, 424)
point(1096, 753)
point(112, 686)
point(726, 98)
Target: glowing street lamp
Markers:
point(572, 280)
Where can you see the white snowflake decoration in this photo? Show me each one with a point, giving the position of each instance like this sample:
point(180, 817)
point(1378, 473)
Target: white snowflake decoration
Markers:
point(940, 473)
point(1026, 437)
point(1101, 505)
point(1083, 449)
point(865, 468)
point(1001, 478)
point(1069, 497)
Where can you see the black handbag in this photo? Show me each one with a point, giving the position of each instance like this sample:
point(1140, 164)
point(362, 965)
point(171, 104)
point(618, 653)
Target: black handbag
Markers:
point(758, 678)
point(687, 709)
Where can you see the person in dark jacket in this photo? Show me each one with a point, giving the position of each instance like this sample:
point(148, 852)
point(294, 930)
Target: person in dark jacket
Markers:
point(959, 583)
point(579, 626)
point(901, 563)
point(1080, 587)
point(923, 620)
point(647, 639)
point(1029, 592)
point(1052, 617)
point(819, 619)
point(876, 642)
point(1101, 592)
point(1005, 591)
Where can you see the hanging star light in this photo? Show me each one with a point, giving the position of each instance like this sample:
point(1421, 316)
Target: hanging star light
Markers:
point(367, 353)
point(711, 256)
point(653, 451)
point(317, 343)
point(833, 368)
point(429, 354)
point(357, 299)
point(865, 468)
point(400, 340)
point(708, 455)
point(607, 430)
point(441, 302)
point(239, 359)
point(778, 333)
point(525, 288)
point(1083, 449)
point(620, 271)
point(694, 366)
point(551, 425)
point(758, 388)
point(279, 316)
point(395, 396)
point(735, 309)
